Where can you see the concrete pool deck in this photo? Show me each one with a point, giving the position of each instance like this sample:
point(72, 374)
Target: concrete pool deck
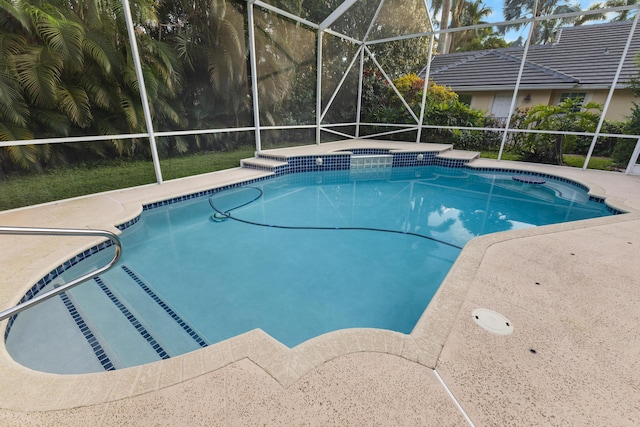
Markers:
point(571, 292)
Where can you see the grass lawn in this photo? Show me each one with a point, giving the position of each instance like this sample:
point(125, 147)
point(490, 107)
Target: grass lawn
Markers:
point(577, 160)
point(505, 155)
point(574, 160)
point(63, 183)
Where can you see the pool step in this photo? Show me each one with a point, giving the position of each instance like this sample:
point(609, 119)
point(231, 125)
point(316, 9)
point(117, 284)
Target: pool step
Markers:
point(461, 155)
point(167, 326)
point(363, 163)
point(117, 335)
point(119, 307)
point(261, 163)
point(48, 338)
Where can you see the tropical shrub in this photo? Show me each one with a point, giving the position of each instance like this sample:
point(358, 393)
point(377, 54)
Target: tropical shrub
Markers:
point(605, 145)
point(66, 72)
point(623, 149)
point(381, 104)
point(569, 115)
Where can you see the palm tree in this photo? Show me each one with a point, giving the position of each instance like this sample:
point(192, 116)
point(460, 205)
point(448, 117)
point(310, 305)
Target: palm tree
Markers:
point(622, 15)
point(545, 30)
point(209, 38)
point(66, 70)
point(470, 13)
point(445, 6)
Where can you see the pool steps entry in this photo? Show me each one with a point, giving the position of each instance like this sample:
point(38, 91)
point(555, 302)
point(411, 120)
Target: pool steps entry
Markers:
point(121, 336)
point(361, 161)
point(31, 299)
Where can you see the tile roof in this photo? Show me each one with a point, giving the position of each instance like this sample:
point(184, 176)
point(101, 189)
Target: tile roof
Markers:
point(581, 56)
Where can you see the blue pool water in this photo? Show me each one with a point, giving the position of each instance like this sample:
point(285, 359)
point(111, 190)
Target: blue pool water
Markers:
point(297, 256)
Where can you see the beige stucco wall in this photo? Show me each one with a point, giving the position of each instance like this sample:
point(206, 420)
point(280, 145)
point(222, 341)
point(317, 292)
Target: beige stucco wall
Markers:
point(619, 108)
point(484, 100)
point(621, 103)
point(537, 97)
point(481, 100)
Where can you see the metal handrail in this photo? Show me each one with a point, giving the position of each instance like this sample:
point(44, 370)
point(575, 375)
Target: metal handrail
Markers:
point(30, 231)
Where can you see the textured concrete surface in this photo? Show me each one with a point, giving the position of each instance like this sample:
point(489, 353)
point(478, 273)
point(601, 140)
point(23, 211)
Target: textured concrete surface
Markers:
point(571, 292)
point(572, 298)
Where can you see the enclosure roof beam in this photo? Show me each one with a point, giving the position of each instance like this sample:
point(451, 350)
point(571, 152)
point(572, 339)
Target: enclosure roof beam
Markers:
point(337, 13)
point(284, 13)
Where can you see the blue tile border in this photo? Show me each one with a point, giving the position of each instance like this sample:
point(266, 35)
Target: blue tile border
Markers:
point(297, 164)
point(186, 197)
point(91, 339)
point(132, 319)
point(531, 173)
point(592, 198)
point(184, 325)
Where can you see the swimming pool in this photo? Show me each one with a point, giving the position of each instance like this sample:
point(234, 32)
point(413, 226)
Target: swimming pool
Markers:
point(376, 247)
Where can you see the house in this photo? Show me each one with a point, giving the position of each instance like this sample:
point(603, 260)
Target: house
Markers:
point(582, 62)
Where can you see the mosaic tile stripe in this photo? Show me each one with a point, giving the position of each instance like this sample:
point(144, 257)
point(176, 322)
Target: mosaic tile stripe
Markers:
point(91, 339)
point(136, 324)
point(452, 163)
point(190, 197)
point(334, 162)
point(184, 325)
point(413, 159)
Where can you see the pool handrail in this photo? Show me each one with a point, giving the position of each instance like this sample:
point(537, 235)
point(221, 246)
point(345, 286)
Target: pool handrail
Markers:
point(31, 231)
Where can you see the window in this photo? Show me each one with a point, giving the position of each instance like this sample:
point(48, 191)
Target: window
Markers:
point(465, 98)
point(573, 95)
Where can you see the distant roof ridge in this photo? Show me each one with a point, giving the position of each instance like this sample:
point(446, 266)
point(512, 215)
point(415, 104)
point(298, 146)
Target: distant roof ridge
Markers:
point(466, 59)
point(538, 67)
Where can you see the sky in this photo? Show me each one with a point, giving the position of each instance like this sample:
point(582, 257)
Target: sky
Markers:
point(497, 15)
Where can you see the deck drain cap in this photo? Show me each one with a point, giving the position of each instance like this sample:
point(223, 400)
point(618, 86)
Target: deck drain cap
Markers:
point(491, 321)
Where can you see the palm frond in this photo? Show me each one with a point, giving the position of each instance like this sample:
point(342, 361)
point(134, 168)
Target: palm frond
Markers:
point(182, 45)
point(130, 78)
point(152, 83)
point(167, 63)
point(132, 114)
point(39, 71)
point(15, 14)
point(106, 126)
point(181, 144)
point(94, 48)
point(11, 132)
point(74, 102)
point(10, 45)
point(99, 91)
point(62, 35)
point(166, 111)
point(25, 156)
point(122, 147)
point(13, 107)
point(50, 123)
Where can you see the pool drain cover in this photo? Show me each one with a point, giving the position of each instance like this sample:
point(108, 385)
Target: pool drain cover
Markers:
point(491, 321)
